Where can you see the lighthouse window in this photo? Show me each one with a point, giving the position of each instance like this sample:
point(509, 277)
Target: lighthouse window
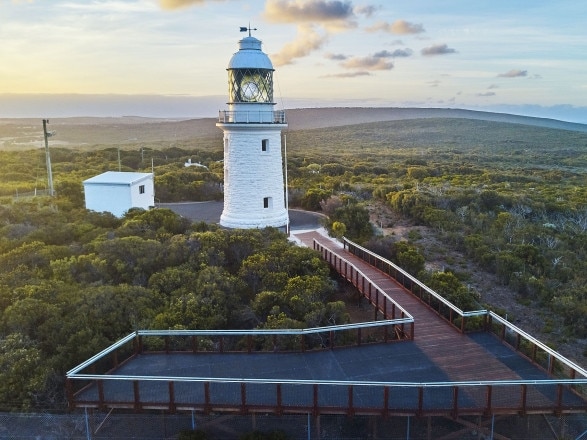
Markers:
point(267, 202)
point(265, 145)
point(142, 189)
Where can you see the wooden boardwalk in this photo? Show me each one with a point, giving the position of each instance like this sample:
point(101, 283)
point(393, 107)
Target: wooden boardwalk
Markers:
point(438, 370)
point(460, 356)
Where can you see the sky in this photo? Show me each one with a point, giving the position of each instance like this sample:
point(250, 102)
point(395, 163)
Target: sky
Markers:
point(168, 58)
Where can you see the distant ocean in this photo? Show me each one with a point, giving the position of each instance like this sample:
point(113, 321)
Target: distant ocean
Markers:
point(190, 107)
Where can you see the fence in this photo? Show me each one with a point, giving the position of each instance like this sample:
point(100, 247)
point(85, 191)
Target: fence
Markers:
point(117, 425)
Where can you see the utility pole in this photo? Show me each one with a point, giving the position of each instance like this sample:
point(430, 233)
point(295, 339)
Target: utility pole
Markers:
point(48, 157)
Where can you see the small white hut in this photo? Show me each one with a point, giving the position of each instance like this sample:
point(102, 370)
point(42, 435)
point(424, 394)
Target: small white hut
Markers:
point(117, 192)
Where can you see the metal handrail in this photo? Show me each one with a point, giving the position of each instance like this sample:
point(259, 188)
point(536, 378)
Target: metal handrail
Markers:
point(251, 116)
point(255, 332)
point(469, 383)
point(436, 295)
point(539, 344)
point(379, 289)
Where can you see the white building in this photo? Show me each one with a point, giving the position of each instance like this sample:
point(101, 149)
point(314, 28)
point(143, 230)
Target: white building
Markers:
point(117, 192)
point(254, 195)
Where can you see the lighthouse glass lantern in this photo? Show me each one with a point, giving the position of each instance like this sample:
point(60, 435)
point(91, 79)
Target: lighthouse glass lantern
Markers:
point(254, 194)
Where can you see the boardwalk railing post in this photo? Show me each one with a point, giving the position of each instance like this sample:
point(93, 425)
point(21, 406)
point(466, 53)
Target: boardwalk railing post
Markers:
point(488, 399)
point(351, 410)
point(137, 396)
point(279, 407)
point(101, 394)
point(243, 398)
point(524, 392)
point(455, 407)
point(171, 397)
point(315, 400)
point(207, 398)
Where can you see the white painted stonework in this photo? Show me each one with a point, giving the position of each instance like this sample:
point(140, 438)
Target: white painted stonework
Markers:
point(253, 178)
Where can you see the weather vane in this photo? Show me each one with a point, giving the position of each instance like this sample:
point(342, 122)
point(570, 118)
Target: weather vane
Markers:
point(245, 29)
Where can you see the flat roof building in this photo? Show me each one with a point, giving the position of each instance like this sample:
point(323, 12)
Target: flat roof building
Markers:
point(118, 191)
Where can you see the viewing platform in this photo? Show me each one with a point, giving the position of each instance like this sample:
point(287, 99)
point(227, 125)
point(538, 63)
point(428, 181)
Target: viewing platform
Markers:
point(419, 356)
point(251, 117)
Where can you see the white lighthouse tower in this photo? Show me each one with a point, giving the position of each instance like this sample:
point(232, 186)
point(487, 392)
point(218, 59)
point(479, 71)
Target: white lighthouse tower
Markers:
point(253, 168)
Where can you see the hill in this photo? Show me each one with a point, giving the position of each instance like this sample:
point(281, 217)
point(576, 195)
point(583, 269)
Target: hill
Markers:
point(131, 131)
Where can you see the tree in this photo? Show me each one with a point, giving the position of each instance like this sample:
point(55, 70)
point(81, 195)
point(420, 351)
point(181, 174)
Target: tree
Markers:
point(23, 372)
point(356, 220)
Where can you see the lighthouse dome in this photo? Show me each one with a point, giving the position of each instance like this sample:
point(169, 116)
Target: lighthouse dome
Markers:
point(250, 56)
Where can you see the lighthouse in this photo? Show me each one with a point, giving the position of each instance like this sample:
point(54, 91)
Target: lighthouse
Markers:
point(254, 194)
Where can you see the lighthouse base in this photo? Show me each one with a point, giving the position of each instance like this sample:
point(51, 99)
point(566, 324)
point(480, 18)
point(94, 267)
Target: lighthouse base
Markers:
point(278, 220)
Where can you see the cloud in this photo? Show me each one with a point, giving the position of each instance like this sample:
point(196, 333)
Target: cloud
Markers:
point(398, 27)
point(493, 86)
point(327, 13)
point(401, 53)
point(307, 41)
point(367, 10)
point(437, 49)
point(372, 62)
point(335, 56)
point(348, 74)
point(175, 4)
point(486, 94)
point(514, 73)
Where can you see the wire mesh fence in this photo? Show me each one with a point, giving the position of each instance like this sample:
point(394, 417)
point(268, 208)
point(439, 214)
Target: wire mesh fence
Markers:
point(116, 425)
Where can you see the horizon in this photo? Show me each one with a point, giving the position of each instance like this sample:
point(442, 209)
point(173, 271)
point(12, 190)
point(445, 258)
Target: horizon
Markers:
point(32, 106)
point(523, 58)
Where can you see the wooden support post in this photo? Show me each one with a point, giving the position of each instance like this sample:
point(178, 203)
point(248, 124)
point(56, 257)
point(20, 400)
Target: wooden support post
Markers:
point(420, 400)
point(455, 403)
point(351, 410)
point(101, 394)
point(315, 400)
point(69, 393)
point(194, 342)
point(243, 398)
point(524, 392)
point(488, 399)
point(171, 397)
point(559, 399)
point(137, 395)
point(207, 398)
point(551, 364)
point(279, 407)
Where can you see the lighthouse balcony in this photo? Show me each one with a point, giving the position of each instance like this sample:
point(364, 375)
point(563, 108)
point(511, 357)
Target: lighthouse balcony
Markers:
point(251, 117)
